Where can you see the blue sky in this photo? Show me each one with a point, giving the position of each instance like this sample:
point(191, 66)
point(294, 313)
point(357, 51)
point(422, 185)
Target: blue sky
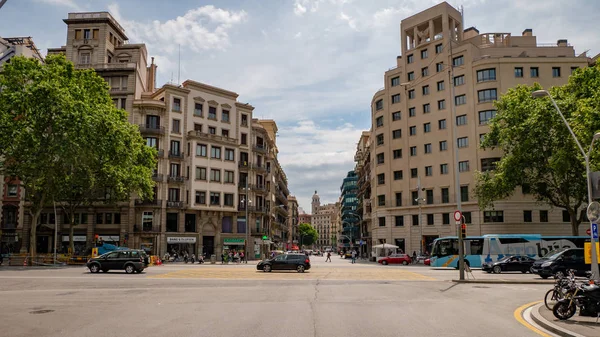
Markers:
point(312, 65)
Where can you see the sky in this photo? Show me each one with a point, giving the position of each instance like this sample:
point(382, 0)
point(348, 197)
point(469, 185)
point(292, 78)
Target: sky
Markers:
point(311, 65)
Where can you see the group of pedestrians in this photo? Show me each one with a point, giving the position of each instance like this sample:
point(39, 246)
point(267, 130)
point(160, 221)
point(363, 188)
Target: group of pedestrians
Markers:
point(233, 256)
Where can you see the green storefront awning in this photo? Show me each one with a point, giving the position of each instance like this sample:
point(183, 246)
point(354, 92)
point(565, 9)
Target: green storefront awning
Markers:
point(233, 241)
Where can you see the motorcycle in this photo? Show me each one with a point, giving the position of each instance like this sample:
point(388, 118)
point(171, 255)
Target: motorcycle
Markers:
point(586, 297)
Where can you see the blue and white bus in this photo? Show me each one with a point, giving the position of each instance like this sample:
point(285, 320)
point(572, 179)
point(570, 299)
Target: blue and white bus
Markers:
point(491, 247)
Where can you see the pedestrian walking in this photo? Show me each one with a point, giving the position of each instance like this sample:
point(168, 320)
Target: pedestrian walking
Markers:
point(353, 256)
point(328, 257)
point(243, 257)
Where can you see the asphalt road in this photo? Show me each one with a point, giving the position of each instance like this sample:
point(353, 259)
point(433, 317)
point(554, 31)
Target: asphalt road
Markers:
point(332, 299)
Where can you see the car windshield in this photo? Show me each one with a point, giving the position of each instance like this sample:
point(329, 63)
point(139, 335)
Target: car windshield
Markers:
point(554, 254)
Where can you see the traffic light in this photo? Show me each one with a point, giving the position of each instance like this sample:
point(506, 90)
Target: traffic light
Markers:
point(463, 231)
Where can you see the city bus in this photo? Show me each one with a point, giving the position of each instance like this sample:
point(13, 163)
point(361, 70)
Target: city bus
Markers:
point(491, 247)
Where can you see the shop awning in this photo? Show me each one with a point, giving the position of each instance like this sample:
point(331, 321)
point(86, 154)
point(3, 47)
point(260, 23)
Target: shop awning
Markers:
point(234, 242)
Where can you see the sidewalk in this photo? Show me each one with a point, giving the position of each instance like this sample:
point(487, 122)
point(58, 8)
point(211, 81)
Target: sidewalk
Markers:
point(576, 326)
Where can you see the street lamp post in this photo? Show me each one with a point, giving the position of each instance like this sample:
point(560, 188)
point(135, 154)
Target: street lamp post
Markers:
point(586, 156)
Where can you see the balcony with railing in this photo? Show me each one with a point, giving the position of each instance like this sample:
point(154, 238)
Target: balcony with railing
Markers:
point(157, 177)
point(143, 202)
point(260, 148)
point(260, 168)
point(209, 136)
point(176, 179)
point(107, 66)
point(244, 165)
point(242, 208)
point(258, 188)
point(152, 129)
point(175, 204)
point(259, 231)
point(175, 154)
point(160, 153)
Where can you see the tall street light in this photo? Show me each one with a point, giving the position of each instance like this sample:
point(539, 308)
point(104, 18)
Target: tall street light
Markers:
point(586, 156)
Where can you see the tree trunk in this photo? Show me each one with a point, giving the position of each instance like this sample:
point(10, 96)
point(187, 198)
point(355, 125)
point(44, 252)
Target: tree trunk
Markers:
point(71, 243)
point(33, 233)
point(574, 225)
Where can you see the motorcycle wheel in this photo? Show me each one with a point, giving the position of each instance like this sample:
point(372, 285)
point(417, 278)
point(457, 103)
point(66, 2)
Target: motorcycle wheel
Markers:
point(563, 311)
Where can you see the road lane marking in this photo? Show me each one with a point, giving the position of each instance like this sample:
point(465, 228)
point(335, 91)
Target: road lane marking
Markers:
point(519, 317)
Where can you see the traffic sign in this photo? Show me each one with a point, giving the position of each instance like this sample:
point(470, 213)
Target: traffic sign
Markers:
point(588, 232)
point(595, 230)
point(457, 215)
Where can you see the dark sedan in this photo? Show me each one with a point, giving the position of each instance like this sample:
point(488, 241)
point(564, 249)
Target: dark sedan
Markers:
point(509, 263)
point(297, 262)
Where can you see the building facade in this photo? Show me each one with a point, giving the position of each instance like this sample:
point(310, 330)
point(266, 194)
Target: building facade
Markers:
point(322, 219)
point(349, 217)
point(362, 158)
point(444, 67)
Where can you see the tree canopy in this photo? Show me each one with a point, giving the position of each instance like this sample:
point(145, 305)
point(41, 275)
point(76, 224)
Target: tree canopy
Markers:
point(308, 235)
point(64, 139)
point(539, 153)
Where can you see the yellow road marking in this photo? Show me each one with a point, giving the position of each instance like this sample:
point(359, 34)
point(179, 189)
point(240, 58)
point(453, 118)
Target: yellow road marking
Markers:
point(519, 317)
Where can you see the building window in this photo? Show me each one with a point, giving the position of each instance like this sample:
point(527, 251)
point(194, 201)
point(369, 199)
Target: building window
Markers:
point(425, 90)
point(174, 194)
point(440, 86)
point(381, 179)
point(555, 71)
point(399, 220)
point(412, 130)
point(427, 148)
point(215, 198)
point(200, 173)
point(443, 145)
point(412, 112)
point(177, 104)
point(487, 95)
point(441, 104)
point(227, 199)
point(459, 80)
point(445, 218)
point(458, 61)
point(398, 175)
point(430, 219)
point(543, 216)
point(443, 168)
point(379, 105)
point(410, 76)
point(244, 140)
point(527, 216)
point(566, 217)
point(228, 178)
point(426, 108)
point(493, 216)
point(464, 193)
point(415, 220)
point(486, 75)
point(198, 109)
point(485, 116)
point(12, 190)
point(424, 71)
point(445, 194)
point(424, 54)
point(467, 216)
point(229, 154)
point(460, 100)
point(85, 58)
point(201, 150)
point(413, 151)
point(429, 197)
point(212, 130)
point(379, 139)
point(462, 142)
point(488, 164)
point(215, 152)
point(379, 121)
point(395, 81)
point(573, 69)
point(518, 72)
point(442, 124)
point(428, 171)
point(381, 221)
point(176, 124)
point(463, 166)
point(397, 134)
point(410, 59)
point(395, 98)
point(201, 197)
point(427, 127)
point(397, 153)
point(534, 72)
point(438, 48)
point(396, 116)
point(215, 175)
point(381, 200)
point(414, 172)
point(212, 112)
point(411, 94)
point(225, 116)
point(439, 67)
point(461, 120)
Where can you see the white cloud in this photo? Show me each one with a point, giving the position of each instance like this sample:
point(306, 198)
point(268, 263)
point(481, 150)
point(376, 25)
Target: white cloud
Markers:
point(298, 35)
point(66, 3)
point(351, 22)
point(203, 28)
point(299, 9)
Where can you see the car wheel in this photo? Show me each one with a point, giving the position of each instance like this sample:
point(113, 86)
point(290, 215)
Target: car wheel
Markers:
point(94, 268)
point(405, 262)
point(129, 269)
point(497, 269)
point(267, 268)
point(300, 269)
point(384, 263)
point(524, 271)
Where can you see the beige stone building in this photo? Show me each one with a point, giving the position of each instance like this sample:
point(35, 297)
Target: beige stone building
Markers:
point(215, 161)
point(412, 140)
point(323, 219)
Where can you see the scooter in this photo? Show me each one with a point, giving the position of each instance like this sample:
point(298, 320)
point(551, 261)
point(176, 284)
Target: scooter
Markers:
point(586, 297)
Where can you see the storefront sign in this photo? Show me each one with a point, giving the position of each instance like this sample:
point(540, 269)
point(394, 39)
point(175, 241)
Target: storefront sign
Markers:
point(181, 239)
point(76, 238)
point(233, 242)
point(109, 238)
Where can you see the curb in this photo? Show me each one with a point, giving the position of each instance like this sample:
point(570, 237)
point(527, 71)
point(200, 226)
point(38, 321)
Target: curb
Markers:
point(506, 281)
point(541, 321)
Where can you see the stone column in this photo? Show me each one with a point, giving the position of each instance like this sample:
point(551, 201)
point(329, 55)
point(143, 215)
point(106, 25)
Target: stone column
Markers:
point(416, 41)
point(431, 30)
point(452, 29)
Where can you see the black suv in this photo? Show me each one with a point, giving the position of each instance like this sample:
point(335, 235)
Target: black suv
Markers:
point(557, 264)
point(132, 261)
point(297, 262)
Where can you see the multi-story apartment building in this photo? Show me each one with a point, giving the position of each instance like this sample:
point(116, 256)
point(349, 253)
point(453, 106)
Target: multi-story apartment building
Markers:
point(292, 222)
point(216, 163)
point(323, 218)
point(350, 218)
point(11, 193)
point(304, 217)
point(362, 157)
point(444, 67)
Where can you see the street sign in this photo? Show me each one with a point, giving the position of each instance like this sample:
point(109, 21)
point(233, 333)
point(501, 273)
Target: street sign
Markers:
point(595, 230)
point(362, 242)
point(587, 247)
point(588, 232)
point(457, 215)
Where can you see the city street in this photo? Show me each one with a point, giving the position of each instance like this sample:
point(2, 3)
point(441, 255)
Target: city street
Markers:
point(332, 299)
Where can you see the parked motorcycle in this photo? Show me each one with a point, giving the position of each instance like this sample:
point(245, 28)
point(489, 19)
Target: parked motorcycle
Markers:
point(586, 297)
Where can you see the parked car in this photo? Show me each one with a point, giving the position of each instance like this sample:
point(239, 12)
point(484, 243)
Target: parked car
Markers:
point(297, 262)
point(558, 263)
point(129, 260)
point(427, 262)
point(396, 258)
point(509, 263)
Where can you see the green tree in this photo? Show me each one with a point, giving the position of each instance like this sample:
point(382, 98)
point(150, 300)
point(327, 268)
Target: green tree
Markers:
point(539, 154)
point(308, 235)
point(64, 139)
